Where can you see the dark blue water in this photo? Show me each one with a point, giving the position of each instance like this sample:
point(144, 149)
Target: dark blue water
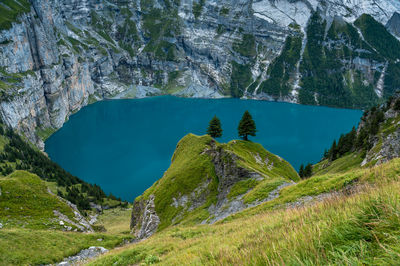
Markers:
point(126, 145)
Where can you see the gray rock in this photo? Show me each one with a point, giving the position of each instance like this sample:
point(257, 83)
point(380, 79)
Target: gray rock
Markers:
point(79, 220)
point(144, 219)
point(83, 255)
point(386, 145)
point(393, 24)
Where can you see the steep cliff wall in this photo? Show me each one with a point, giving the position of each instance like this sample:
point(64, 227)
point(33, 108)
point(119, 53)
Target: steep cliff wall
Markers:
point(57, 56)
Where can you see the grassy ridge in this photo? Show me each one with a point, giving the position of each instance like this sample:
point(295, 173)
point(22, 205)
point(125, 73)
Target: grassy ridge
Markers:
point(189, 168)
point(192, 167)
point(359, 229)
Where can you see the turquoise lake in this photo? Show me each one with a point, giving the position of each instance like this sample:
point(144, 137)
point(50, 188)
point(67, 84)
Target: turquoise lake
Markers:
point(126, 145)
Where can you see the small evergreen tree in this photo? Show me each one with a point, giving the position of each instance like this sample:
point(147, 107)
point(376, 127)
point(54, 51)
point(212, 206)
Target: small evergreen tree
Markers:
point(396, 105)
point(307, 170)
point(333, 151)
point(247, 126)
point(301, 171)
point(326, 154)
point(214, 128)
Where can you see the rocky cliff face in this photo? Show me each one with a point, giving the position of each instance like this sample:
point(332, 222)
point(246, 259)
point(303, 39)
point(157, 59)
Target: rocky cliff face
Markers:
point(144, 219)
point(394, 25)
point(385, 144)
point(208, 181)
point(57, 56)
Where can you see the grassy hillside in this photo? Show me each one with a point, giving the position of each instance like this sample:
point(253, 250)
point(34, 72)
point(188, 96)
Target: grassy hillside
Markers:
point(20, 246)
point(25, 202)
point(31, 233)
point(27, 218)
point(360, 228)
point(193, 170)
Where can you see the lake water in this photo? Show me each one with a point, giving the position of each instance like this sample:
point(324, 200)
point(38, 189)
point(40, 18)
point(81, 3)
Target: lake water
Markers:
point(126, 145)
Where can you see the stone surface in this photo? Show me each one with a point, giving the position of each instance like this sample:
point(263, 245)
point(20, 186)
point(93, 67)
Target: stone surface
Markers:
point(79, 221)
point(83, 255)
point(385, 145)
point(144, 220)
point(394, 24)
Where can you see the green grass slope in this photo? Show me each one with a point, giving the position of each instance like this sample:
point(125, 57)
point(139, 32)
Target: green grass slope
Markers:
point(193, 170)
point(349, 228)
point(26, 202)
point(16, 153)
point(20, 246)
point(31, 234)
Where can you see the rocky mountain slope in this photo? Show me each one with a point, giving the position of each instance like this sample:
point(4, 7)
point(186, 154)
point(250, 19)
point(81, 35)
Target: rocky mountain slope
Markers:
point(57, 56)
point(207, 181)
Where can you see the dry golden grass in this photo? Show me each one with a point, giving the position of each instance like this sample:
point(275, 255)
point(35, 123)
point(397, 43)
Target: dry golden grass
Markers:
point(116, 220)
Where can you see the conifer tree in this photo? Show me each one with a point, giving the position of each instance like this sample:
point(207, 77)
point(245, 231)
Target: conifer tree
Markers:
point(247, 126)
point(333, 151)
point(326, 154)
point(308, 170)
point(214, 128)
point(301, 171)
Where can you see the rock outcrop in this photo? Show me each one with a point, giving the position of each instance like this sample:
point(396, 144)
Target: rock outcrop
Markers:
point(385, 144)
point(144, 218)
point(394, 24)
point(83, 255)
point(62, 55)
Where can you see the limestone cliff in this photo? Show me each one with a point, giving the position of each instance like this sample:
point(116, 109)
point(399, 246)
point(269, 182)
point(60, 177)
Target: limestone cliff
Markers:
point(207, 181)
point(57, 56)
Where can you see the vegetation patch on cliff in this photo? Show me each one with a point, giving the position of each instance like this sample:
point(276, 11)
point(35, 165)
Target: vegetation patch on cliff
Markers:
point(10, 10)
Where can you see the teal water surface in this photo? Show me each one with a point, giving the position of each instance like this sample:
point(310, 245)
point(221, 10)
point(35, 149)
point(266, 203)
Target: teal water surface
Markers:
point(126, 145)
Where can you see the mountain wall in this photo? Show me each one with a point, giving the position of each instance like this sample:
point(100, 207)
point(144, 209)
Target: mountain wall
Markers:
point(57, 56)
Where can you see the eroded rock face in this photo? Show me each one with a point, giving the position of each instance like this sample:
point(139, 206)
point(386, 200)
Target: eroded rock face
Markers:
point(79, 221)
point(228, 171)
point(83, 255)
point(394, 24)
point(70, 53)
point(144, 221)
point(385, 146)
